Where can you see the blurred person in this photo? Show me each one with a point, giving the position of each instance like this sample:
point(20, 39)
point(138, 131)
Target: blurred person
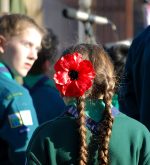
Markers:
point(118, 54)
point(92, 131)
point(46, 98)
point(134, 92)
point(20, 40)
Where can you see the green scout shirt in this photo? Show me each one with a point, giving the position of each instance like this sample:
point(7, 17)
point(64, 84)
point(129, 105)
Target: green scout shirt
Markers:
point(57, 142)
point(17, 119)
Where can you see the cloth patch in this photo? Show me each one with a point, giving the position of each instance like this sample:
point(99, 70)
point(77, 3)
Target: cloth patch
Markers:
point(26, 117)
point(20, 118)
point(15, 120)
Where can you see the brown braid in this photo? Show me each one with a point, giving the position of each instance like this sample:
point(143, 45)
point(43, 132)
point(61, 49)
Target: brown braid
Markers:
point(103, 86)
point(106, 127)
point(82, 131)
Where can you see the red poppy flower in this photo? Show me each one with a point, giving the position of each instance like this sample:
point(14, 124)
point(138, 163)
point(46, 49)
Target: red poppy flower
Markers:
point(73, 75)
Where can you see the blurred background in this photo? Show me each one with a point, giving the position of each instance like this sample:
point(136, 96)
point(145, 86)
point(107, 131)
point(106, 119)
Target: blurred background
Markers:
point(121, 20)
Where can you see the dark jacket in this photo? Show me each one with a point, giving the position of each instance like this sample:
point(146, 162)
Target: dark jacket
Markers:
point(47, 100)
point(135, 89)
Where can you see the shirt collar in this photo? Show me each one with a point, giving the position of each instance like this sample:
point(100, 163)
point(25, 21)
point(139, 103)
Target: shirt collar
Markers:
point(5, 71)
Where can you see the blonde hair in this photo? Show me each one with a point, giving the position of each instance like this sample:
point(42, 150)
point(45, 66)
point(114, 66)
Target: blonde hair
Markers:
point(15, 24)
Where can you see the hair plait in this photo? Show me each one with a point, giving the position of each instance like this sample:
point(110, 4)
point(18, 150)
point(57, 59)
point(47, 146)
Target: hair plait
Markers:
point(103, 86)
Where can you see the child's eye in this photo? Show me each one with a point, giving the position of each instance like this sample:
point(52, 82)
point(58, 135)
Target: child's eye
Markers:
point(26, 44)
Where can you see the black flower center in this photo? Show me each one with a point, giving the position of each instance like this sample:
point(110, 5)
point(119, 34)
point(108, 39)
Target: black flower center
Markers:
point(73, 74)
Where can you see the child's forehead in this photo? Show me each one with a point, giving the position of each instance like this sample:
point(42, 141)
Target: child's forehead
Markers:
point(28, 32)
point(30, 35)
point(22, 27)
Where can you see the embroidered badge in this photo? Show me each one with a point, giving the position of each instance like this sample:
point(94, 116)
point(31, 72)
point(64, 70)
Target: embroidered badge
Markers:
point(13, 95)
point(20, 118)
point(15, 120)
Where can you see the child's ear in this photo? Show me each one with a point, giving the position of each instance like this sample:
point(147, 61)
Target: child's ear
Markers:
point(2, 43)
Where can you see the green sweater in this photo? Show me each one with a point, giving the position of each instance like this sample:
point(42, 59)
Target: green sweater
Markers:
point(57, 143)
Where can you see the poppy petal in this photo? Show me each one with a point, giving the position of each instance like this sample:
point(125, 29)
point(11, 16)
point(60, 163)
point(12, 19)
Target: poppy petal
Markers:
point(61, 78)
point(86, 68)
point(79, 84)
point(74, 90)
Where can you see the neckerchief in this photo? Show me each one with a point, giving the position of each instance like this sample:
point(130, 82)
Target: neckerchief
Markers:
point(90, 123)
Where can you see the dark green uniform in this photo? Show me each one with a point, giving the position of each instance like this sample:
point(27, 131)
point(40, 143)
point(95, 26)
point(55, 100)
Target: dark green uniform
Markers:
point(17, 119)
point(57, 142)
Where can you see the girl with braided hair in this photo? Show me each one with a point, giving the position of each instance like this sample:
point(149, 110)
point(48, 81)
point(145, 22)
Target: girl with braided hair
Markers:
point(92, 131)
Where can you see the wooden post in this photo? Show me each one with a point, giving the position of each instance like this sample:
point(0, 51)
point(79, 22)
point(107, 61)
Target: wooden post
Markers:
point(129, 18)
